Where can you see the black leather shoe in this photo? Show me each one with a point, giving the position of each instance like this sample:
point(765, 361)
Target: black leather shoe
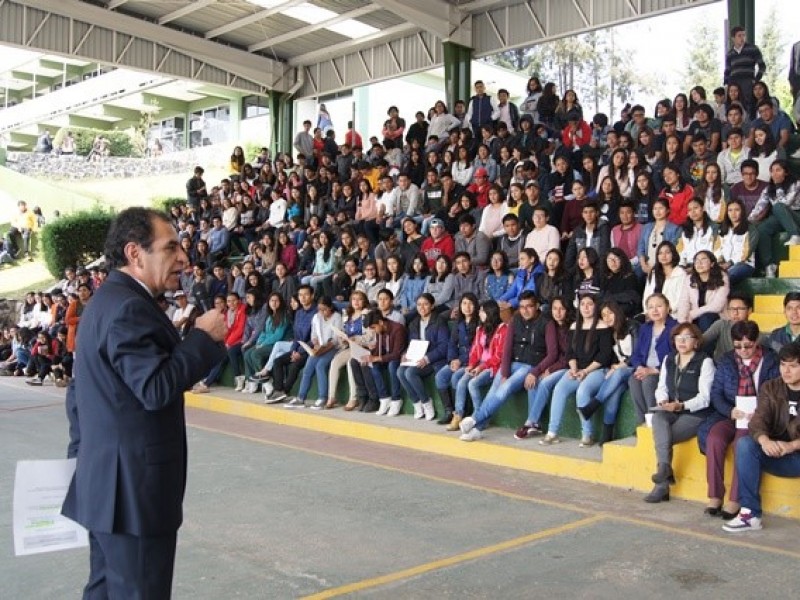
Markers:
point(446, 418)
point(664, 474)
point(588, 410)
point(712, 511)
point(371, 406)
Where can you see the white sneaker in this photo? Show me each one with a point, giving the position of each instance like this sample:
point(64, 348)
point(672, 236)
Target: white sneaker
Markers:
point(473, 435)
point(795, 154)
point(419, 412)
point(793, 241)
point(744, 521)
point(429, 411)
point(239, 381)
point(771, 271)
point(251, 387)
point(467, 424)
point(200, 388)
point(395, 406)
point(295, 403)
point(319, 404)
point(384, 407)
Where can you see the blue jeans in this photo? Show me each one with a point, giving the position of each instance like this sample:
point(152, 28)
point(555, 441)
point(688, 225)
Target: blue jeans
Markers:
point(539, 396)
point(751, 462)
point(473, 385)
point(279, 349)
point(739, 272)
point(706, 320)
point(411, 380)
point(446, 377)
point(585, 390)
point(500, 391)
point(378, 369)
point(610, 393)
point(317, 365)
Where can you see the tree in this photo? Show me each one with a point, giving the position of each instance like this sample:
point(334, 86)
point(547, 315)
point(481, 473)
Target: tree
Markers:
point(703, 64)
point(773, 50)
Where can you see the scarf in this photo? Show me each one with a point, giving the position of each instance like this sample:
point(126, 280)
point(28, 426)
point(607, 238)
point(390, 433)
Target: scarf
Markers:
point(747, 385)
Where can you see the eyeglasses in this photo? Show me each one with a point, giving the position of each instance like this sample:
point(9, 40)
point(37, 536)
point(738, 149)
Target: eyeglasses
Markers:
point(743, 346)
point(737, 308)
point(684, 338)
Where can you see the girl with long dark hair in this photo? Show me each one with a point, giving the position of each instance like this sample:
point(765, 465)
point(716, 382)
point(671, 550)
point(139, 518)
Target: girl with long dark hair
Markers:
point(708, 291)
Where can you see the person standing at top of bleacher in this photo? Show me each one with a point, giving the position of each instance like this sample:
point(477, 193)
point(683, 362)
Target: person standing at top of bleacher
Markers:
point(744, 64)
point(482, 109)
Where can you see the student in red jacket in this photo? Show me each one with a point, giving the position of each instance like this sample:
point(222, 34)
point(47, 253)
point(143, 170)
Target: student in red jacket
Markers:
point(235, 319)
point(438, 243)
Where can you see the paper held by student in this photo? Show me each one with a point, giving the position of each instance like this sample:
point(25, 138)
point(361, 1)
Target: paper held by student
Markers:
point(39, 490)
point(415, 353)
point(748, 405)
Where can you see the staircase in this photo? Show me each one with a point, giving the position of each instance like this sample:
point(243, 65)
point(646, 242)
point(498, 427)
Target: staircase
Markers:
point(769, 293)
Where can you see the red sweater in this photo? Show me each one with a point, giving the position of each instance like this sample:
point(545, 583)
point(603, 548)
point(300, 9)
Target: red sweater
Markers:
point(678, 202)
point(236, 329)
point(434, 249)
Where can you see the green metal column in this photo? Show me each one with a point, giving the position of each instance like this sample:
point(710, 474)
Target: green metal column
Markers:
point(457, 67)
point(280, 117)
point(743, 12)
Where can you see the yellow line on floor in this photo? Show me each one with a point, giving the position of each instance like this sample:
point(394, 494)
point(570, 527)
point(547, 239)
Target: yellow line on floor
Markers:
point(450, 561)
point(731, 539)
point(435, 478)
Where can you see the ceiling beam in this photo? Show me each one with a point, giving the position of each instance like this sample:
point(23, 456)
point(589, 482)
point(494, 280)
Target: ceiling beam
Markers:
point(115, 4)
point(250, 19)
point(186, 10)
point(384, 35)
point(296, 33)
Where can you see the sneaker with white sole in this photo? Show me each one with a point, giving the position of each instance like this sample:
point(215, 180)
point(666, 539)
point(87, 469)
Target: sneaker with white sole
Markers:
point(251, 387)
point(319, 404)
point(466, 425)
point(419, 412)
point(550, 439)
point(274, 397)
point(473, 435)
point(586, 442)
point(385, 404)
point(429, 411)
point(200, 388)
point(295, 403)
point(744, 521)
point(793, 241)
point(395, 406)
point(239, 381)
point(771, 271)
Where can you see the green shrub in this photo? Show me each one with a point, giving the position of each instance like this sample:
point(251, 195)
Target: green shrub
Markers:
point(75, 239)
point(164, 203)
point(120, 142)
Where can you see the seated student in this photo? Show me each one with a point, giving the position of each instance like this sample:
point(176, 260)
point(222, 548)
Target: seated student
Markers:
point(590, 353)
point(476, 243)
point(682, 398)
point(697, 233)
point(324, 345)
point(593, 233)
point(44, 353)
point(707, 294)
point(774, 440)
point(461, 337)
point(524, 279)
point(740, 372)
point(353, 327)
point(739, 241)
point(588, 277)
point(287, 367)
point(512, 241)
point(235, 313)
point(499, 277)
point(414, 284)
point(717, 338)
point(667, 277)
point(677, 192)
point(616, 380)
point(466, 279)
point(275, 329)
point(543, 237)
point(750, 188)
point(781, 202)
point(619, 284)
point(428, 326)
point(790, 332)
point(661, 229)
point(527, 345)
point(483, 363)
point(626, 234)
point(390, 341)
point(441, 283)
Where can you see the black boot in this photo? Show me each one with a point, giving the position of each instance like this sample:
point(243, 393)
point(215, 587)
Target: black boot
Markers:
point(370, 406)
point(608, 434)
point(588, 410)
point(446, 396)
point(660, 493)
point(664, 474)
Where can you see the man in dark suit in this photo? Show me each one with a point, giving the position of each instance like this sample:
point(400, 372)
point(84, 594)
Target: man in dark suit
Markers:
point(126, 411)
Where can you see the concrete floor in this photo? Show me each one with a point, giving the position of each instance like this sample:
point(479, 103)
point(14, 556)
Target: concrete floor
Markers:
point(278, 512)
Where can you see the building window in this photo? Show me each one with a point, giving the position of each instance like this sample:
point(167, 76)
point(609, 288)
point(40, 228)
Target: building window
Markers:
point(254, 106)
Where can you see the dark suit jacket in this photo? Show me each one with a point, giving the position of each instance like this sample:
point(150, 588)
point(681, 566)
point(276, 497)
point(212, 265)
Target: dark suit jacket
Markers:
point(126, 412)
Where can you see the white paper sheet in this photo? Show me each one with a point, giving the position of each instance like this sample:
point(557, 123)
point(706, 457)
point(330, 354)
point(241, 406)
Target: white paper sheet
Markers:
point(415, 353)
point(39, 490)
point(748, 405)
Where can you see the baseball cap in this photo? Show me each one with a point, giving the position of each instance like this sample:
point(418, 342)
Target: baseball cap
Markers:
point(481, 172)
point(532, 183)
point(437, 223)
point(179, 294)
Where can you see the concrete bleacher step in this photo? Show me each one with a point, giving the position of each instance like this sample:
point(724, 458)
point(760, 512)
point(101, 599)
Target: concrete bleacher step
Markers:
point(768, 304)
point(768, 321)
point(794, 253)
point(789, 268)
point(626, 463)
